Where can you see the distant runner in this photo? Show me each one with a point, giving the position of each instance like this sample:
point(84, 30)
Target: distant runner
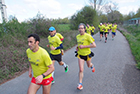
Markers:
point(106, 28)
point(88, 29)
point(92, 30)
point(101, 29)
point(113, 31)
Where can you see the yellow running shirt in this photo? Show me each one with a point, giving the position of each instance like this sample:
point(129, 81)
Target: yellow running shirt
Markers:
point(114, 28)
point(116, 25)
point(101, 27)
point(92, 28)
point(40, 61)
point(106, 28)
point(88, 30)
point(85, 39)
point(55, 42)
point(110, 26)
point(59, 35)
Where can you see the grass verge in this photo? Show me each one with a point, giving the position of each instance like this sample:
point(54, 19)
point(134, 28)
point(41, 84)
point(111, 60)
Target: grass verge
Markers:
point(133, 37)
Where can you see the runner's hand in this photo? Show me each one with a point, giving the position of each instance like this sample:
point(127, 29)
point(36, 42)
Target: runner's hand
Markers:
point(39, 79)
point(52, 48)
point(48, 46)
point(77, 48)
point(30, 75)
point(81, 46)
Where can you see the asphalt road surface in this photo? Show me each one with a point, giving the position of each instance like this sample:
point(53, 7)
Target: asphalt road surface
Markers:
point(115, 72)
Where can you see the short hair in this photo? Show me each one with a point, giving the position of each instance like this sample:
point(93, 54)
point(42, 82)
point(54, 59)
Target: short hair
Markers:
point(36, 37)
point(82, 24)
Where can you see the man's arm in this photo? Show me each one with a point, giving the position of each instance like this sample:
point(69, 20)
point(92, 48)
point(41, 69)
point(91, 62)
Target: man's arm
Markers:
point(98, 28)
point(59, 47)
point(49, 71)
point(92, 45)
point(30, 70)
point(62, 39)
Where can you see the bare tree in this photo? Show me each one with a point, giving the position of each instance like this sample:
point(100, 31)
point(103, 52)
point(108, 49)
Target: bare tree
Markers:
point(114, 16)
point(98, 4)
point(103, 5)
point(111, 6)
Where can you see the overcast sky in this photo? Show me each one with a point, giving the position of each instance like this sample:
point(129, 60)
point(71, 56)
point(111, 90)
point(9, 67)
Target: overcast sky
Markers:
point(26, 9)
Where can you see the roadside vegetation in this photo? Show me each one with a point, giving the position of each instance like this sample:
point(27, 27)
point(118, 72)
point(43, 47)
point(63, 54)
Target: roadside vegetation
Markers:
point(133, 36)
point(13, 45)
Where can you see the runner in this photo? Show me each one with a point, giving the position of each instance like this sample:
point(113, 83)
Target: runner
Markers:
point(92, 30)
point(113, 31)
point(85, 42)
point(55, 46)
point(110, 26)
point(88, 29)
point(61, 38)
point(40, 64)
point(106, 28)
point(101, 29)
point(115, 25)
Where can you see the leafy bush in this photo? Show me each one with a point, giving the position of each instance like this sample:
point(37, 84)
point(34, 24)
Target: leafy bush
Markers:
point(85, 15)
point(41, 25)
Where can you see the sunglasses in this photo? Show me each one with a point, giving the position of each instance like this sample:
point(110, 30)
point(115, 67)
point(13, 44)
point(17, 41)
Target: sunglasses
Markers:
point(80, 28)
point(50, 31)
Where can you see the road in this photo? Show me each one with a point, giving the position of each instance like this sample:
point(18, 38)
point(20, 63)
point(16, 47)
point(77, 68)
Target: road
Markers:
point(115, 72)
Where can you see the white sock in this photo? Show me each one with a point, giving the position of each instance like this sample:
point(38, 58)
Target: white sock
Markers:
point(64, 65)
point(92, 67)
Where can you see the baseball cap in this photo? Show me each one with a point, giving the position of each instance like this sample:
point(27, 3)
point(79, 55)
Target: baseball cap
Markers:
point(51, 28)
point(100, 23)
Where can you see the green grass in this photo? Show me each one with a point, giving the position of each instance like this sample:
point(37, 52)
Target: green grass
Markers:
point(64, 27)
point(133, 37)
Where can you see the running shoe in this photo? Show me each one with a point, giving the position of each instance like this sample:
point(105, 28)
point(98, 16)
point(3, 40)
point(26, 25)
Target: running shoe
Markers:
point(93, 69)
point(80, 87)
point(66, 68)
point(53, 81)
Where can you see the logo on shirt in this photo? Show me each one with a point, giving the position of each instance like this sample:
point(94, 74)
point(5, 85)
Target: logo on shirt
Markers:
point(34, 63)
point(80, 43)
point(37, 60)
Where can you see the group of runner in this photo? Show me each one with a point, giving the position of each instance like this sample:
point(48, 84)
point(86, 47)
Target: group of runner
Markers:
point(106, 28)
point(41, 66)
point(90, 29)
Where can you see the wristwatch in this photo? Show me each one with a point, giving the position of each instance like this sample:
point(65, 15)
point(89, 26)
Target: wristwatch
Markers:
point(43, 75)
